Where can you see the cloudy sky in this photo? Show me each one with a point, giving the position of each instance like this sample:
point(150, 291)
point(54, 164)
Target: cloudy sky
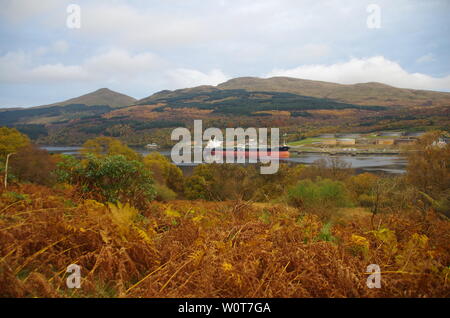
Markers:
point(143, 46)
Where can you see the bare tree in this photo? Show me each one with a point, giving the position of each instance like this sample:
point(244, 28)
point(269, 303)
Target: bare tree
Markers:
point(382, 189)
point(6, 169)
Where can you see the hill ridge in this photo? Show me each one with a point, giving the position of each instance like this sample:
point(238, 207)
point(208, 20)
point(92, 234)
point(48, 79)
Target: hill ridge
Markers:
point(101, 96)
point(367, 94)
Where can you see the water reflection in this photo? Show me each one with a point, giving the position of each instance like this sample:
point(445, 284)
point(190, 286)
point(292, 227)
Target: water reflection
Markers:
point(371, 163)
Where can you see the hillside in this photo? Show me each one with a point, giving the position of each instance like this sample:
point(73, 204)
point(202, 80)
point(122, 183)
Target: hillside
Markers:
point(295, 105)
point(361, 94)
point(243, 102)
point(96, 103)
point(102, 96)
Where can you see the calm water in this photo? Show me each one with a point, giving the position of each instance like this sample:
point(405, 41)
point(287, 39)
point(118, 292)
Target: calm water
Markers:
point(370, 163)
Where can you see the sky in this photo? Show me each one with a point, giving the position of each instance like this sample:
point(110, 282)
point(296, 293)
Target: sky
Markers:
point(141, 47)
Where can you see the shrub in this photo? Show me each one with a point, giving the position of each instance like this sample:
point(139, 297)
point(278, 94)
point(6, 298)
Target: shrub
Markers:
point(366, 200)
point(363, 183)
point(164, 194)
point(110, 179)
point(325, 233)
point(34, 165)
point(322, 194)
point(428, 168)
point(227, 181)
point(195, 188)
point(164, 171)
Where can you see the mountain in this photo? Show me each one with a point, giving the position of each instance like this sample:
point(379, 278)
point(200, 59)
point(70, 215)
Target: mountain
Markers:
point(102, 96)
point(93, 104)
point(362, 94)
point(165, 94)
point(251, 96)
point(240, 102)
point(295, 105)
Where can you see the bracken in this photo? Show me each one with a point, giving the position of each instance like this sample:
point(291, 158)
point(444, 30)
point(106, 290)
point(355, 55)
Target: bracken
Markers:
point(212, 249)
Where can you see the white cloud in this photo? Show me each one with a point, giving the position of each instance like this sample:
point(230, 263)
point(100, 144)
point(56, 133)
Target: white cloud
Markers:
point(55, 73)
point(213, 40)
point(182, 77)
point(113, 65)
point(251, 7)
point(20, 10)
point(58, 47)
point(124, 24)
point(118, 62)
point(17, 67)
point(308, 52)
point(171, 24)
point(12, 66)
point(373, 69)
point(427, 58)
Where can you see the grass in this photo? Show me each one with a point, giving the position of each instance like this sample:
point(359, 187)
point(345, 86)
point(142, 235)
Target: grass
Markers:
point(304, 142)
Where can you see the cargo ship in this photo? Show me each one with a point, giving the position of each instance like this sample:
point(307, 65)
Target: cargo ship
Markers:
point(247, 151)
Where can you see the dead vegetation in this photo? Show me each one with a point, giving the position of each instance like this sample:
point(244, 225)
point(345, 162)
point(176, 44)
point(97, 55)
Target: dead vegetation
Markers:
point(212, 249)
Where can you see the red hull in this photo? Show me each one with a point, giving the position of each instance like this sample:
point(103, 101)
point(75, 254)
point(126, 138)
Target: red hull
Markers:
point(255, 154)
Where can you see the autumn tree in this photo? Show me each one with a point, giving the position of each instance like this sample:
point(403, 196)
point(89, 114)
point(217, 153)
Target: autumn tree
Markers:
point(196, 188)
point(228, 181)
point(363, 187)
point(11, 140)
point(164, 172)
point(429, 171)
point(429, 166)
point(35, 165)
point(331, 168)
point(271, 186)
point(108, 146)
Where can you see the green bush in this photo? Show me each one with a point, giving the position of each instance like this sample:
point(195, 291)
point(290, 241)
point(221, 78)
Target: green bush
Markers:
point(109, 179)
point(322, 193)
point(195, 188)
point(163, 193)
point(325, 233)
